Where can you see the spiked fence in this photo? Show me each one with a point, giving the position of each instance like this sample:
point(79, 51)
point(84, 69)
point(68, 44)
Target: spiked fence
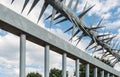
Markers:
point(102, 41)
point(58, 45)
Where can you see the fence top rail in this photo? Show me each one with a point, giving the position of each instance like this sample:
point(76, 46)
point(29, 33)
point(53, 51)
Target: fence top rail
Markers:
point(17, 24)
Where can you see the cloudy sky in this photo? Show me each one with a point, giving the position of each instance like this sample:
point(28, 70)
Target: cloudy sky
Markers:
point(9, 43)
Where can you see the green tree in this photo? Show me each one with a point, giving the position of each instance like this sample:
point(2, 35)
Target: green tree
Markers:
point(56, 73)
point(32, 74)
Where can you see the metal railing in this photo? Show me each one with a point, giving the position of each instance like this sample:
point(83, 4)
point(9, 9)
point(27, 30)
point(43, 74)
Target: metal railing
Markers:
point(26, 30)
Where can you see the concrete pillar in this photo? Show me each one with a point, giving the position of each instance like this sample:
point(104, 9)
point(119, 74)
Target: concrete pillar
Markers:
point(22, 72)
point(77, 68)
point(87, 73)
point(46, 69)
point(108, 74)
point(64, 57)
point(113, 76)
point(95, 72)
point(102, 73)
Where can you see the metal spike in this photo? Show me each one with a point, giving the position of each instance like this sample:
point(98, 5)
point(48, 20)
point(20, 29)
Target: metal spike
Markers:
point(69, 17)
point(84, 10)
point(98, 26)
point(75, 7)
point(26, 2)
point(100, 22)
point(93, 47)
point(93, 18)
point(83, 13)
point(75, 34)
point(95, 28)
point(79, 39)
point(63, 20)
point(115, 43)
point(99, 49)
point(94, 50)
point(103, 35)
point(68, 29)
point(108, 38)
point(12, 1)
point(91, 42)
point(33, 5)
point(114, 62)
point(48, 17)
point(105, 55)
point(43, 9)
point(59, 16)
point(70, 4)
point(73, 29)
point(53, 16)
point(85, 7)
point(112, 59)
point(73, 21)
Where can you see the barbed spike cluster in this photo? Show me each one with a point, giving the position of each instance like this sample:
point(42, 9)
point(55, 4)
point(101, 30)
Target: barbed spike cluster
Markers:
point(102, 42)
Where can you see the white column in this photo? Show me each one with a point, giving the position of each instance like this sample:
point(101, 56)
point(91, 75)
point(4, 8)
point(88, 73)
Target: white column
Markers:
point(64, 57)
point(108, 74)
point(95, 72)
point(87, 73)
point(77, 68)
point(102, 73)
point(22, 55)
point(113, 76)
point(46, 69)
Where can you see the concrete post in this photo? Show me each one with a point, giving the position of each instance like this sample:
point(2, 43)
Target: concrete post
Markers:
point(102, 73)
point(108, 74)
point(77, 68)
point(113, 76)
point(46, 61)
point(87, 73)
point(95, 72)
point(64, 57)
point(22, 55)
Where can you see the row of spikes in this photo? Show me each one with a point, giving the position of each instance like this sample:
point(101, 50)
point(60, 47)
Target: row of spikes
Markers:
point(81, 17)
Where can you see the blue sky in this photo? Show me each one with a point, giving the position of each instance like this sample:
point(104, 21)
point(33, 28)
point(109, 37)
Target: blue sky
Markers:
point(108, 9)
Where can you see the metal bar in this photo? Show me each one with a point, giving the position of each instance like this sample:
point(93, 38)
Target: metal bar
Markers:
point(77, 68)
point(22, 55)
point(102, 73)
point(64, 64)
point(46, 60)
point(87, 73)
point(108, 74)
point(95, 72)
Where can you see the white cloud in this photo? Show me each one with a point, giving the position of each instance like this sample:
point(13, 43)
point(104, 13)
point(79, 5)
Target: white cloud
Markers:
point(103, 7)
point(35, 54)
point(113, 25)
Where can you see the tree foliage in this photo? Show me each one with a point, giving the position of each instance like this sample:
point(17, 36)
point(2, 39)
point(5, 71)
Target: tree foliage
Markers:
point(32, 74)
point(56, 73)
